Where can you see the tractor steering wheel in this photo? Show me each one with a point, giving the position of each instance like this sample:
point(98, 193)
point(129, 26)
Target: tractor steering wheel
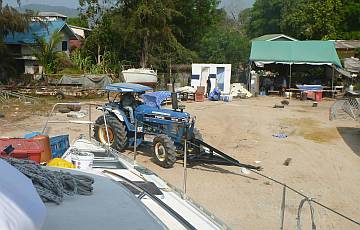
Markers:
point(113, 99)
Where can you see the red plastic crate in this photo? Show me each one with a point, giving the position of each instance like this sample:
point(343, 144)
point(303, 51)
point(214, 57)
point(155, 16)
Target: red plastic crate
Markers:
point(24, 148)
point(199, 97)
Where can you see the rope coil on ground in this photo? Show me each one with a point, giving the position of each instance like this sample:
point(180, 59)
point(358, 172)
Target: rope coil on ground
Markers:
point(52, 186)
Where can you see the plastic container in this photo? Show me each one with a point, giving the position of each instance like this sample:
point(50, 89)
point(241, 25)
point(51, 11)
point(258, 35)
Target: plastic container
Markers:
point(199, 97)
point(351, 88)
point(318, 95)
point(227, 98)
point(83, 160)
point(288, 95)
point(59, 145)
point(44, 141)
point(31, 135)
point(24, 148)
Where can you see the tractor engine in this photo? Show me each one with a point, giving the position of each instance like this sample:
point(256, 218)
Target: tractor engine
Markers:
point(164, 121)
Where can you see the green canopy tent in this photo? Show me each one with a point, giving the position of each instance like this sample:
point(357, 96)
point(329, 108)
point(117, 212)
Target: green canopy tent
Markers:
point(295, 52)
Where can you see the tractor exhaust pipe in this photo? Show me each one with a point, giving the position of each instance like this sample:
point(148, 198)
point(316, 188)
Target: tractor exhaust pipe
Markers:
point(174, 101)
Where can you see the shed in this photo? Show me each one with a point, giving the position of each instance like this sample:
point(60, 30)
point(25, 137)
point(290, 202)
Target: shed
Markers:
point(295, 53)
point(219, 74)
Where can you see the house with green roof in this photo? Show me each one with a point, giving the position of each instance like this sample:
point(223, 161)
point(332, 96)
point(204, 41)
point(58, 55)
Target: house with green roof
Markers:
point(21, 44)
point(274, 37)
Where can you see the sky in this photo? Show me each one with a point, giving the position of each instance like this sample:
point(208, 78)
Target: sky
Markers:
point(68, 3)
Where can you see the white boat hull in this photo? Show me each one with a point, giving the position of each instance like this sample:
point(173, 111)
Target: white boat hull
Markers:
point(140, 76)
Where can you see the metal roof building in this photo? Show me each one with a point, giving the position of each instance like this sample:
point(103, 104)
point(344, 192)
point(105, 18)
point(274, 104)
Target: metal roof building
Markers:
point(39, 29)
point(274, 37)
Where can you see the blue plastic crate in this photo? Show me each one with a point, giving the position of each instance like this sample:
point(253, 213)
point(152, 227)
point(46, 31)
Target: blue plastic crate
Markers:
point(59, 145)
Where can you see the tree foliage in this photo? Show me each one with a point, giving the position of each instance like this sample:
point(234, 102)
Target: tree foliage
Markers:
point(149, 32)
point(11, 21)
point(265, 17)
point(315, 19)
point(225, 44)
point(77, 21)
point(303, 19)
point(46, 53)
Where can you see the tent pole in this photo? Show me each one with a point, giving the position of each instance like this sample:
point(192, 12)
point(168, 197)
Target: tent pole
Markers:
point(290, 78)
point(332, 82)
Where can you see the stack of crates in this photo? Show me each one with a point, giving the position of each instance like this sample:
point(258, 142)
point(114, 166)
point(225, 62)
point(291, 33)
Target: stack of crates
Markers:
point(59, 145)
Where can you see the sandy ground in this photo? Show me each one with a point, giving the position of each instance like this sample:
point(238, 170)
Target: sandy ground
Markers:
point(324, 160)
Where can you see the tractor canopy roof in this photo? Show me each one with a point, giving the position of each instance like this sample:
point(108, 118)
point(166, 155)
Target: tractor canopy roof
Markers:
point(127, 88)
point(155, 99)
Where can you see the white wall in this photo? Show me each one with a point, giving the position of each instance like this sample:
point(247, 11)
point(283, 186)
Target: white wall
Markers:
point(199, 76)
point(30, 67)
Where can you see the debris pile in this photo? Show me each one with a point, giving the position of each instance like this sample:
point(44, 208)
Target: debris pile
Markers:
point(238, 90)
point(186, 89)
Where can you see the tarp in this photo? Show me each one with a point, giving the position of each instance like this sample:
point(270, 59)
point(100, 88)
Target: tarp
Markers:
point(155, 99)
point(127, 88)
point(86, 81)
point(310, 87)
point(215, 94)
point(295, 52)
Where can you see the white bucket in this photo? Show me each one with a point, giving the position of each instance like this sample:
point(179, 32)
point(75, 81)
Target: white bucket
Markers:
point(227, 98)
point(82, 160)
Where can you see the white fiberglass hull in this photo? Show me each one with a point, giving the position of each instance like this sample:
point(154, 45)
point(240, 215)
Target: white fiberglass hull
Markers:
point(194, 214)
point(140, 76)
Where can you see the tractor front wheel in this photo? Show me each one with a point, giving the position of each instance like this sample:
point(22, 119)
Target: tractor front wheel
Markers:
point(116, 131)
point(164, 151)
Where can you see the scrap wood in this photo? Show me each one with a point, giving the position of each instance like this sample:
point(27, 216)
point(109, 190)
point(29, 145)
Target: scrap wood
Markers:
point(6, 95)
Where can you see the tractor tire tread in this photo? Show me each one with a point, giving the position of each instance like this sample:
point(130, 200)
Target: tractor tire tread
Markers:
point(119, 129)
point(170, 147)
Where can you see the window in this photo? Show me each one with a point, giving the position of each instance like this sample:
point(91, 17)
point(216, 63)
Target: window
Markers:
point(64, 46)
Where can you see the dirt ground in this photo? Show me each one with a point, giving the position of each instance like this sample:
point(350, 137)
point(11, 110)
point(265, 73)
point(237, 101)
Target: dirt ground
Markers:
point(323, 157)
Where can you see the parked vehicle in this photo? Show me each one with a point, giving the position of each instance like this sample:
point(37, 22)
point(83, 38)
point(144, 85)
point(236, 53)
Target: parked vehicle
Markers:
point(171, 131)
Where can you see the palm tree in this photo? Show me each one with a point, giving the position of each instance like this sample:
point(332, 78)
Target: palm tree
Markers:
point(46, 53)
point(11, 21)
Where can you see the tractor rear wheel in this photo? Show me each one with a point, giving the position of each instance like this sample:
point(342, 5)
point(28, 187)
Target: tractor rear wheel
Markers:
point(116, 130)
point(164, 151)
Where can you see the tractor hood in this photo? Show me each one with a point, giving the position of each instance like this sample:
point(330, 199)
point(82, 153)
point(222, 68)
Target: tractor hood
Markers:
point(165, 114)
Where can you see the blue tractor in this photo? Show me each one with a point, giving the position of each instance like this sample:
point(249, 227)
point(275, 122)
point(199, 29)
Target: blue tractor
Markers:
point(132, 110)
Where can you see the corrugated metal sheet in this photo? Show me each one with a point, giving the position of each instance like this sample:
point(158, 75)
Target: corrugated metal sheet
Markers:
point(38, 29)
point(347, 44)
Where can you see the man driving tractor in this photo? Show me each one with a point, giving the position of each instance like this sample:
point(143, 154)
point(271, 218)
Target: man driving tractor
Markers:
point(128, 102)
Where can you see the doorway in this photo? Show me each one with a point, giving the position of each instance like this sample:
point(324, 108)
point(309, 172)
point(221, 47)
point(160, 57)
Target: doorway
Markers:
point(220, 77)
